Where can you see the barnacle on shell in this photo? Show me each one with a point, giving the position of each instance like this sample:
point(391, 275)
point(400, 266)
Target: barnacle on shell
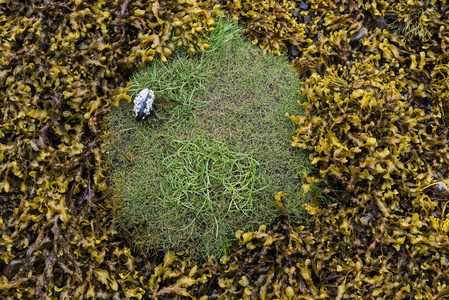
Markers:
point(143, 104)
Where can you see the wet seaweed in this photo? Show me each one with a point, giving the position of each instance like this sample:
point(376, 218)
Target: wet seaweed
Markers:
point(376, 127)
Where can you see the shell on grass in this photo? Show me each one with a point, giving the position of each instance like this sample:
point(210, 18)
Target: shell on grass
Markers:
point(143, 104)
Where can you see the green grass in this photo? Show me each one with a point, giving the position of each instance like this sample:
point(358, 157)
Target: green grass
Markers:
point(216, 165)
point(200, 170)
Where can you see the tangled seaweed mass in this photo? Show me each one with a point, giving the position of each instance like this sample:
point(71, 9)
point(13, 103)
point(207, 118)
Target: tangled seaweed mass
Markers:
point(376, 127)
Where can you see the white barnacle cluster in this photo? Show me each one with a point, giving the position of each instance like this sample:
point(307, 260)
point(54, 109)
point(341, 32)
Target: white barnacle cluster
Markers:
point(143, 104)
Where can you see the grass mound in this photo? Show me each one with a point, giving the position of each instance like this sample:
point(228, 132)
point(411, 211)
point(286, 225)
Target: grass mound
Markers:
point(216, 165)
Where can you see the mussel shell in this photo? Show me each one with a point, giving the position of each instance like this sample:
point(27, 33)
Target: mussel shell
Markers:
point(143, 104)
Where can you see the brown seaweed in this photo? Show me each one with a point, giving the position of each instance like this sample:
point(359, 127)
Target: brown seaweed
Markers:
point(376, 128)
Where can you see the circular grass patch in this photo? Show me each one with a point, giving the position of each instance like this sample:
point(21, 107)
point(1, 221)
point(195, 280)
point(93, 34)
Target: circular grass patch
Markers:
point(217, 164)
